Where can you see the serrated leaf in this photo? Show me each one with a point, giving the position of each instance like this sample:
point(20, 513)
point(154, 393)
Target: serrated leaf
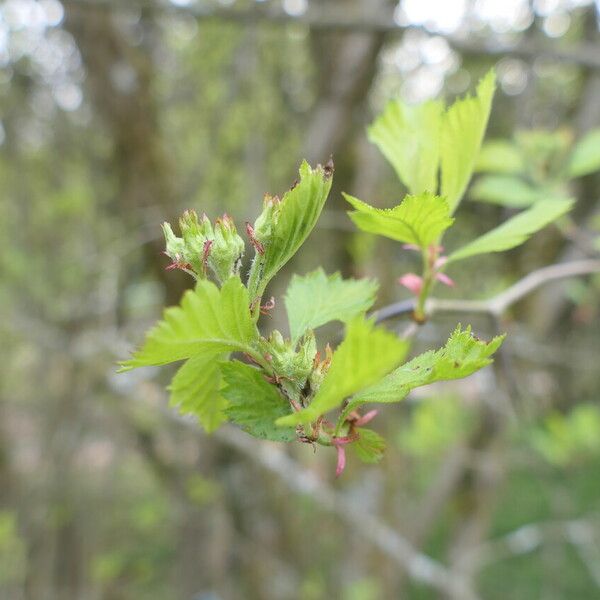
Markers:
point(408, 136)
point(364, 356)
point(516, 230)
point(195, 389)
point(207, 319)
point(370, 446)
point(418, 220)
point(505, 190)
point(463, 128)
point(462, 355)
point(585, 158)
point(316, 299)
point(298, 213)
point(254, 404)
point(500, 156)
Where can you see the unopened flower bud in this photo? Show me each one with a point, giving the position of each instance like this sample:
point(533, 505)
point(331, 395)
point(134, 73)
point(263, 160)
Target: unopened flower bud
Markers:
point(174, 244)
point(227, 249)
point(263, 226)
point(195, 232)
point(191, 226)
point(175, 248)
point(277, 341)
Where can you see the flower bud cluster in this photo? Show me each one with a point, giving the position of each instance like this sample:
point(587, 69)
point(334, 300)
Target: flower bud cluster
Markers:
point(203, 246)
point(293, 364)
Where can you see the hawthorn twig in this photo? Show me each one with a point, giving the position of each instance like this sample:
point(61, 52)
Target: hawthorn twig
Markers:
point(500, 303)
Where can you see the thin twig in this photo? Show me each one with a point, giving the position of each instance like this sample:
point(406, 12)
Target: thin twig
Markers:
point(419, 566)
point(500, 303)
point(536, 279)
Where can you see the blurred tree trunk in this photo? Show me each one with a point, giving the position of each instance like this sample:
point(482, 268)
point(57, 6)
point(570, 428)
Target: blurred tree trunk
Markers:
point(346, 67)
point(120, 79)
point(346, 64)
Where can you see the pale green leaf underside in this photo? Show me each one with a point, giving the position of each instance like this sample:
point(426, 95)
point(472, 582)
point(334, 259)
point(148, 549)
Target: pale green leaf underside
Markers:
point(462, 355)
point(463, 128)
point(408, 136)
point(255, 404)
point(300, 209)
point(505, 190)
point(207, 319)
point(365, 355)
point(586, 155)
point(316, 299)
point(195, 389)
point(516, 230)
point(418, 220)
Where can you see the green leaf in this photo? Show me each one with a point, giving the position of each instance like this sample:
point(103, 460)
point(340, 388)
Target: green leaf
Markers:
point(408, 136)
point(463, 128)
point(296, 217)
point(370, 446)
point(462, 355)
point(586, 155)
point(364, 356)
point(316, 299)
point(416, 220)
point(505, 190)
point(195, 389)
point(516, 230)
point(208, 318)
point(500, 156)
point(255, 404)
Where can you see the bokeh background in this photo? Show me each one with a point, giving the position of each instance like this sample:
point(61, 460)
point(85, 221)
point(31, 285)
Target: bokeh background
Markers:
point(116, 115)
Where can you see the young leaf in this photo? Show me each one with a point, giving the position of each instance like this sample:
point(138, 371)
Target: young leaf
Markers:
point(500, 156)
point(315, 299)
point(462, 355)
point(370, 446)
point(516, 230)
point(255, 404)
point(365, 355)
point(505, 190)
point(296, 217)
point(586, 155)
point(416, 220)
point(195, 389)
point(463, 128)
point(408, 136)
point(207, 319)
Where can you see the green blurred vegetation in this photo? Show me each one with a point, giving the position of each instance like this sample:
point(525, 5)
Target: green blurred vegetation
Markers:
point(114, 120)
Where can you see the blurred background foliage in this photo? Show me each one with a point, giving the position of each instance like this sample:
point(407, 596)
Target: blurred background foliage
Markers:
point(116, 116)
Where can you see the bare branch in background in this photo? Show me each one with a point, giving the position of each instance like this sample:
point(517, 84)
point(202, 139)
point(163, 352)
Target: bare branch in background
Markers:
point(586, 54)
point(582, 534)
point(420, 567)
